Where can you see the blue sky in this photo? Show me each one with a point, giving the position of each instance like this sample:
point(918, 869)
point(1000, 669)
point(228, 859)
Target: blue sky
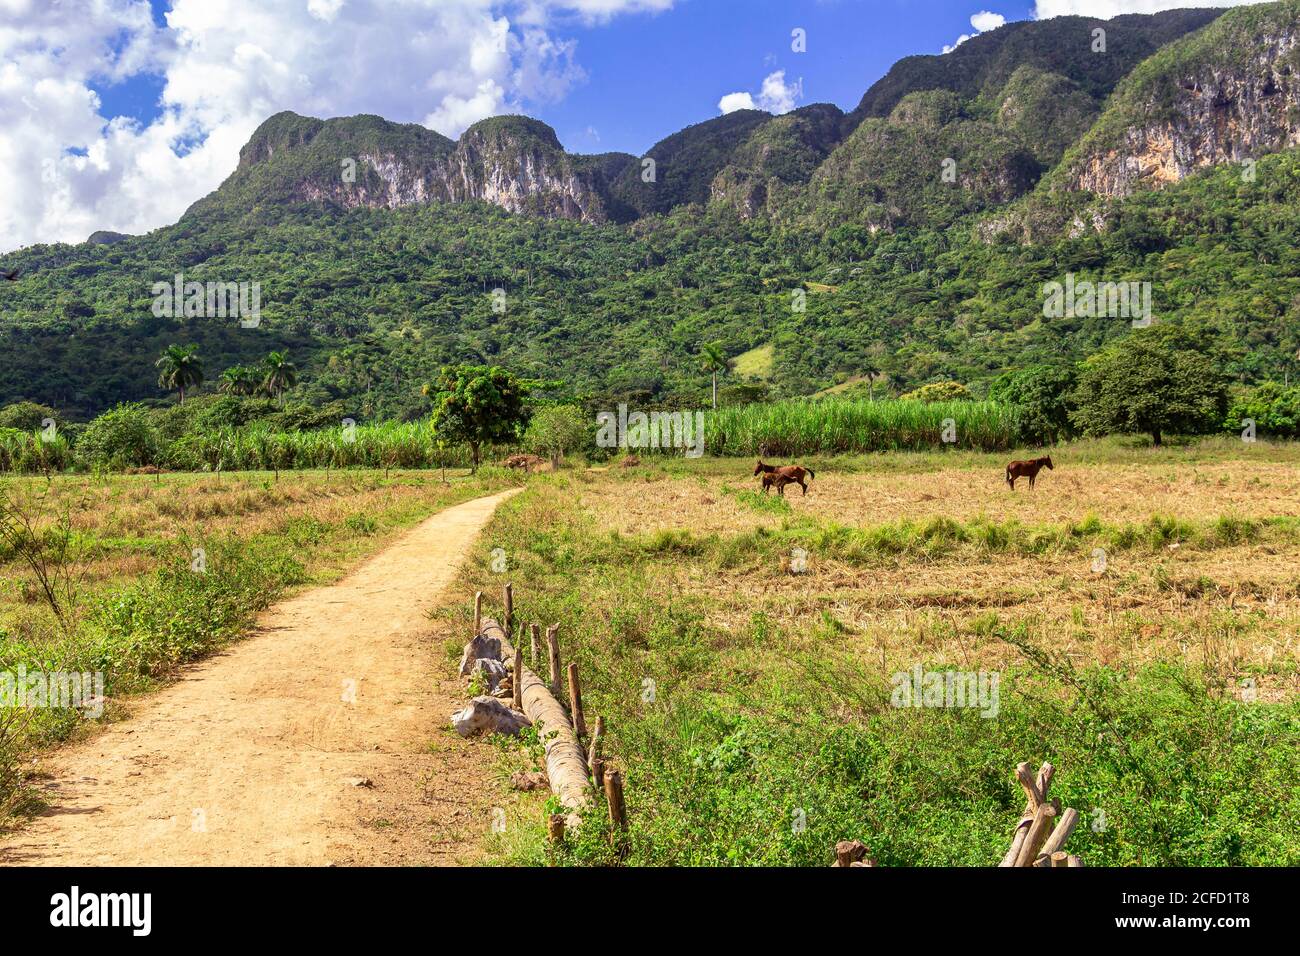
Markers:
point(650, 74)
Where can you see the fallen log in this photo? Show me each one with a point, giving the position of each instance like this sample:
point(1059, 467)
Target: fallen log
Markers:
point(566, 764)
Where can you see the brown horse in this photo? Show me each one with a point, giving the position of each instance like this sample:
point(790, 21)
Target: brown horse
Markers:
point(782, 475)
point(1027, 469)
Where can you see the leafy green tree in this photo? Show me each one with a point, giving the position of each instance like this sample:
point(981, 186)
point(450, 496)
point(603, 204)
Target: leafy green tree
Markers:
point(478, 404)
point(557, 430)
point(940, 392)
point(1157, 380)
point(180, 368)
point(1273, 408)
point(241, 380)
point(26, 416)
point(1043, 394)
point(713, 360)
point(280, 375)
point(122, 437)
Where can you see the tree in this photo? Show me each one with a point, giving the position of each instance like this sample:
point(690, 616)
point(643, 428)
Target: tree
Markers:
point(180, 368)
point(240, 380)
point(477, 404)
point(123, 437)
point(1156, 380)
point(1042, 394)
point(713, 361)
point(556, 430)
point(27, 416)
point(280, 375)
point(940, 392)
point(1273, 408)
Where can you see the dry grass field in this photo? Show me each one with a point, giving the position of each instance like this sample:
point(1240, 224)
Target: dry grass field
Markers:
point(771, 631)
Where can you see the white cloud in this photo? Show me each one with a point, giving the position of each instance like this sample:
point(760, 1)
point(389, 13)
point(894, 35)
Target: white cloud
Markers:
point(226, 66)
point(776, 96)
point(736, 101)
point(1105, 9)
point(982, 22)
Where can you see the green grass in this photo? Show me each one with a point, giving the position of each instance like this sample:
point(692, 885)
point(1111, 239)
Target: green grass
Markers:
point(756, 363)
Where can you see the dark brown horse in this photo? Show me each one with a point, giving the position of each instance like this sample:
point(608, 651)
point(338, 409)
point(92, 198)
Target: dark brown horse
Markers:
point(1027, 469)
point(782, 475)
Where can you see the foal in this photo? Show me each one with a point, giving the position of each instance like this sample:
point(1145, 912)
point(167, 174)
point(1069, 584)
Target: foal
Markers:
point(1027, 469)
point(782, 475)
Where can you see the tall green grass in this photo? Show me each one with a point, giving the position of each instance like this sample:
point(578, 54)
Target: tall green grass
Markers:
point(836, 426)
point(260, 448)
point(28, 453)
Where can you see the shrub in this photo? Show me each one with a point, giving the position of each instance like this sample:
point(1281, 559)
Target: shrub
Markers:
point(123, 437)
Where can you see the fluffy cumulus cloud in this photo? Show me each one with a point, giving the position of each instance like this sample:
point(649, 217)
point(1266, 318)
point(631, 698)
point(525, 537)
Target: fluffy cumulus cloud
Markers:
point(982, 22)
point(225, 66)
point(1105, 9)
point(775, 96)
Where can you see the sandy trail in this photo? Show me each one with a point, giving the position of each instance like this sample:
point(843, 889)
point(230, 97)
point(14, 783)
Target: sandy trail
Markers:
point(252, 757)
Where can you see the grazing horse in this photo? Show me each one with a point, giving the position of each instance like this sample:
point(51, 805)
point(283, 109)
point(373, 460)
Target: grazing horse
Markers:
point(782, 475)
point(1029, 469)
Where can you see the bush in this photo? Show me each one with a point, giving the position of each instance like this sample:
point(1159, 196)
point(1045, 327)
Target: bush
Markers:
point(1042, 393)
point(123, 437)
point(557, 430)
point(27, 416)
point(1275, 410)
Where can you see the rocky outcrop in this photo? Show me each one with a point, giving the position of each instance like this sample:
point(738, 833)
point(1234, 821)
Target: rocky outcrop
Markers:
point(366, 162)
point(1221, 99)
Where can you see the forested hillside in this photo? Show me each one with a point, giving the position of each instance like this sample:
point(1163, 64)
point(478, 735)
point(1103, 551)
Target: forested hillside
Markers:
point(829, 242)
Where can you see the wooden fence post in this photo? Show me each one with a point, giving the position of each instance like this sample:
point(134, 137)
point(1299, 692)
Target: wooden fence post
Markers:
point(553, 649)
point(617, 809)
point(594, 751)
point(532, 641)
point(575, 701)
point(517, 681)
point(555, 830)
point(508, 624)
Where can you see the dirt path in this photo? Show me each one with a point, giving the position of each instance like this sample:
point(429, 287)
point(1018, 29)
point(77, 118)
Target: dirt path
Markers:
point(253, 756)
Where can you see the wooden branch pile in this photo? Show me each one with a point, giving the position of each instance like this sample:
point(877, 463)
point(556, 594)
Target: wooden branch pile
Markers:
point(1039, 838)
point(1041, 832)
point(574, 774)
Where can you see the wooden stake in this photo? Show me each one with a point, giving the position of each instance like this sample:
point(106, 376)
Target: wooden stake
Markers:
point(1060, 859)
point(1035, 794)
point(517, 681)
point(553, 649)
point(532, 641)
point(555, 830)
point(1038, 832)
point(508, 624)
point(598, 773)
point(575, 701)
point(1073, 861)
point(1064, 827)
point(617, 810)
point(593, 754)
point(478, 612)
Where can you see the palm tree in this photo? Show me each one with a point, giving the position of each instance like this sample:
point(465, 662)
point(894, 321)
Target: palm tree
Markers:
point(713, 361)
point(280, 375)
point(180, 368)
point(239, 380)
